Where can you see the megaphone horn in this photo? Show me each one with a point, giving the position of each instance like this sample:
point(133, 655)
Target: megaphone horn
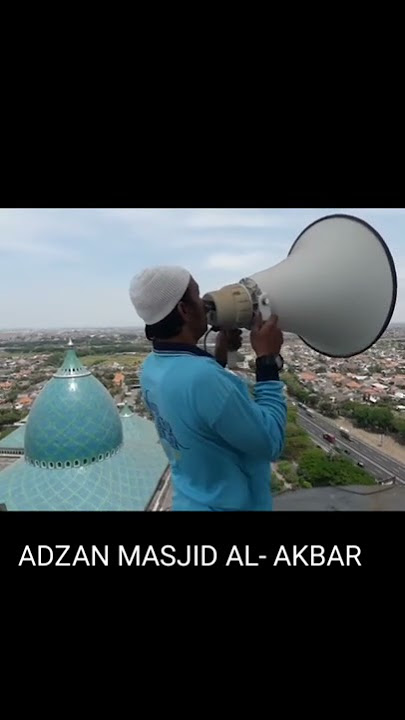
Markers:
point(336, 290)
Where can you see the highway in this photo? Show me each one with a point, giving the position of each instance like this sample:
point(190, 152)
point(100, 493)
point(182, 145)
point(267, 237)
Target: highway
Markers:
point(377, 463)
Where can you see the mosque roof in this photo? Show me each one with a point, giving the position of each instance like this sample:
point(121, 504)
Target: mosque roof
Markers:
point(80, 453)
point(15, 439)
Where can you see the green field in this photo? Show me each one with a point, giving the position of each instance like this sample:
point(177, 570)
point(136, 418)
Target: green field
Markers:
point(128, 361)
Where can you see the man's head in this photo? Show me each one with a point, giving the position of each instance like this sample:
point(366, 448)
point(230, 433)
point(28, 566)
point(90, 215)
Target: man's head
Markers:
point(168, 301)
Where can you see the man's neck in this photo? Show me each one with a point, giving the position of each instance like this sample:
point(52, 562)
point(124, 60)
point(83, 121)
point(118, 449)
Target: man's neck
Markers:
point(183, 338)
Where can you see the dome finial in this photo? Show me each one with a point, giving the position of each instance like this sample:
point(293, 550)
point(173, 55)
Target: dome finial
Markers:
point(126, 411)
point(71, 366)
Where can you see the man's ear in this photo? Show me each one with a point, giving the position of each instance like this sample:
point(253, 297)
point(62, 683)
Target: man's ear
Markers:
point(182, 310)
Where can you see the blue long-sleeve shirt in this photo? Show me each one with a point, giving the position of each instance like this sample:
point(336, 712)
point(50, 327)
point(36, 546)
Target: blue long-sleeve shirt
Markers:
point(219, 440)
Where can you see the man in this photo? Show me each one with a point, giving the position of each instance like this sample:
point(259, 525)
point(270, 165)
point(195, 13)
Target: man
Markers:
point(219, 440)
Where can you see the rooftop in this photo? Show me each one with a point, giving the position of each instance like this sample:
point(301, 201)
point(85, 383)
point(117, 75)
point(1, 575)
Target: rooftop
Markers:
point(352, 498)
point(14, 439)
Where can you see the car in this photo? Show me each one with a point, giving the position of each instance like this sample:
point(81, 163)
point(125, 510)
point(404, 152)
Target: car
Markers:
point(360, 464)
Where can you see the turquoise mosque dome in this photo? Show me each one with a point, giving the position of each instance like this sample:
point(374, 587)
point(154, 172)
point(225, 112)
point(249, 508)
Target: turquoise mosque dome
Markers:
point(74, 421)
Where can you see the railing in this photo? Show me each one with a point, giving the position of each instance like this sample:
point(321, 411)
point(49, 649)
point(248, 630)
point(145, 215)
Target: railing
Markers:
point(157, 501)
point(4, 451)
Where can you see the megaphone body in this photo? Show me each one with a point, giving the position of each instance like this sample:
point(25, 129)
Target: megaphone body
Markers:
point(336, 289)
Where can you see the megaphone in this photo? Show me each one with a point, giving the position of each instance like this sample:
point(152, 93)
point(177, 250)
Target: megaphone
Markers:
point(336, 289)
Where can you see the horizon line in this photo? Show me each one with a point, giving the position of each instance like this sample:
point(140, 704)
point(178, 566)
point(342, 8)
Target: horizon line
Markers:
point(70, 328)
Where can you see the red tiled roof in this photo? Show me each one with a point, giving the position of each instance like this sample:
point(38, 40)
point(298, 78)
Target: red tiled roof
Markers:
point(307, 376)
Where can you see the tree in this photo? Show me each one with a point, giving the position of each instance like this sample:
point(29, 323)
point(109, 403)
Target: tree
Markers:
point(399, 429)
point(294, 387)
point(55, 359)
point(373, 418)
point(346, 408)
point(276, 483)
point(12, 396)
point(289, 473)
point(319, 469)
point(9, 417)
point(388, 402)
point(327, 408)
point(382, 419)
point(296, 441)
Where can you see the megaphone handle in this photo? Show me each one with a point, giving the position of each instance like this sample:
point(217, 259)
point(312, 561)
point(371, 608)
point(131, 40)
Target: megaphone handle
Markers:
point(264, 307)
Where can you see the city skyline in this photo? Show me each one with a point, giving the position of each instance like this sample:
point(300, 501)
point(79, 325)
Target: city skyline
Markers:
point(71, 268)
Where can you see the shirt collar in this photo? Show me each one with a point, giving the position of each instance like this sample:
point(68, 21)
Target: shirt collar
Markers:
point(165, 348)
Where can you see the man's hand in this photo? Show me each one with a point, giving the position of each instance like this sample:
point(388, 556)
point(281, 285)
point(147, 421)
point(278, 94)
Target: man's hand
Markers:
point(266, 337)
point(227, 341)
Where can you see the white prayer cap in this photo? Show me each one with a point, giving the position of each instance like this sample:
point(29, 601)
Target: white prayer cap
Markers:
point(156, 291)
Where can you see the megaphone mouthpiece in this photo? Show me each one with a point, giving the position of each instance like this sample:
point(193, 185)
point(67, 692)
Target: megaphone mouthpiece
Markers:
point(230, 307)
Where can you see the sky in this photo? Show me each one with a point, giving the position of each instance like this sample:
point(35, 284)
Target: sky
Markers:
point(71, 268)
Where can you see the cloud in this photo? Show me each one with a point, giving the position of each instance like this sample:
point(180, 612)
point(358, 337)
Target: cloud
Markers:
point(66, 305)
point(197, 219)
point(143, 219)
point(250, 262)
point(41, 250)
point(42, 233)
point(218, 239)
point(237, 218)
point(386, 212)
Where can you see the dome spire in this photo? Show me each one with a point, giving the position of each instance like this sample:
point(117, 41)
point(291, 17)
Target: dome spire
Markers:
point(126, 411)
point(71, 366)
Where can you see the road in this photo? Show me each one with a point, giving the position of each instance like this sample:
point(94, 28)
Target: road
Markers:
point(381, 466)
